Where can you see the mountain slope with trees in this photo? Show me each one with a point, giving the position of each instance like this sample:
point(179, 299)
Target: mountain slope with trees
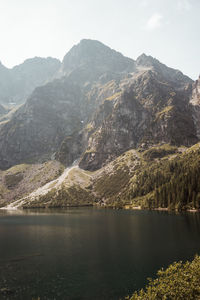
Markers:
point(130, 123)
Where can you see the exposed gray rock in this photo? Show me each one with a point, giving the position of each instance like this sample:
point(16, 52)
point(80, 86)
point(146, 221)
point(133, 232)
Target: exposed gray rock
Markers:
point(56, 112)
point(150, 110)
point(195, 104)
point(100, 105)
point(172, 76)
point(37, 129)
point(90, 59)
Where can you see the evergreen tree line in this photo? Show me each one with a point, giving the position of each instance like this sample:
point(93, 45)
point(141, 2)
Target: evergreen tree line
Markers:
point(173, 184)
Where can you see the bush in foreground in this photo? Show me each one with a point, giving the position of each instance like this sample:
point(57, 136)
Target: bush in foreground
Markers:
point(179, 281)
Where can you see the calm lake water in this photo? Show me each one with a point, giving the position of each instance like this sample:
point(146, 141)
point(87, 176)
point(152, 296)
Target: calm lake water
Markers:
point(88, 253)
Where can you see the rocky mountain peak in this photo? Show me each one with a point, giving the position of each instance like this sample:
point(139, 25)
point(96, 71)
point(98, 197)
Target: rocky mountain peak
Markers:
point(168, 74)
point(146, 60)
point(101, 105)
point(99, 58)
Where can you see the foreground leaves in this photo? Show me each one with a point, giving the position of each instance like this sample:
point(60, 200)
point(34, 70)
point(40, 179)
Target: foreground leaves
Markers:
point(179, 281)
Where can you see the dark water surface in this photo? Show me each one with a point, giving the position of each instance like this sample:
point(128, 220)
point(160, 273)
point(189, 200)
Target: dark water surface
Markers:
point(88, 253)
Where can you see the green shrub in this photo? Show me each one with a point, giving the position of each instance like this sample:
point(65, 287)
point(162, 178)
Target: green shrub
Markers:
point(180, 281)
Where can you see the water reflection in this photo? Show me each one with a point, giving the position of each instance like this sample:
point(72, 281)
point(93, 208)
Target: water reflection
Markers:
point(89, 253)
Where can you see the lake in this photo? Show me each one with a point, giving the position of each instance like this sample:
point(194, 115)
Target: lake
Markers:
point(90, 253)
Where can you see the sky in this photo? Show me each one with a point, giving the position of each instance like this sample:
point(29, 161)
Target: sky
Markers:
point(166, 29)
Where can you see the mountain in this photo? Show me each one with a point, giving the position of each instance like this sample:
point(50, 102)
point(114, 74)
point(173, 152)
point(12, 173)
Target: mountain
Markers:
point(91, 61)
point(162, 177)
point(174, 77)
point(150, 107)
point(37, 128)
point(61, 108)
point(133, 126)
point(100, 105)
point(18, 83)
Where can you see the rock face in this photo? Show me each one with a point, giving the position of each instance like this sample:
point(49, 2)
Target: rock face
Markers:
point(100, 105)
point(89, 60)
point(57, 111)
point(37, 129)
point(195, 104)
point(18, 83)
point(153, 107)
point(170, 75)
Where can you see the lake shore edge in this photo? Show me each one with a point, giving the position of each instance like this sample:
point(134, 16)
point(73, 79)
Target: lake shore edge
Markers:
point(126, 207)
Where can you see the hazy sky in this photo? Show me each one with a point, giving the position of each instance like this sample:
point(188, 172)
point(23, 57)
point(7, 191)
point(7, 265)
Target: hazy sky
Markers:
point(166, 29)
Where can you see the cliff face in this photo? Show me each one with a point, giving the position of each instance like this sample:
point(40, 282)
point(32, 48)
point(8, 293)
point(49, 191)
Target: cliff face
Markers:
point(89, 60)
point(149, 110)
point(195, 105)
point(100, 105)
point(37, 129)
point(57, 111)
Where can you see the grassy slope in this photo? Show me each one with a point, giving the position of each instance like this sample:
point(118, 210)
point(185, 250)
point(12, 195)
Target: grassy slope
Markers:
point(161, 177)
point(20, 180)
point(74, 191)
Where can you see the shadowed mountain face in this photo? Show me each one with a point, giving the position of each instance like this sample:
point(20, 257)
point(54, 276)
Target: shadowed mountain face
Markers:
point(37, 129)
point(18, 83)
point(100, 105)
